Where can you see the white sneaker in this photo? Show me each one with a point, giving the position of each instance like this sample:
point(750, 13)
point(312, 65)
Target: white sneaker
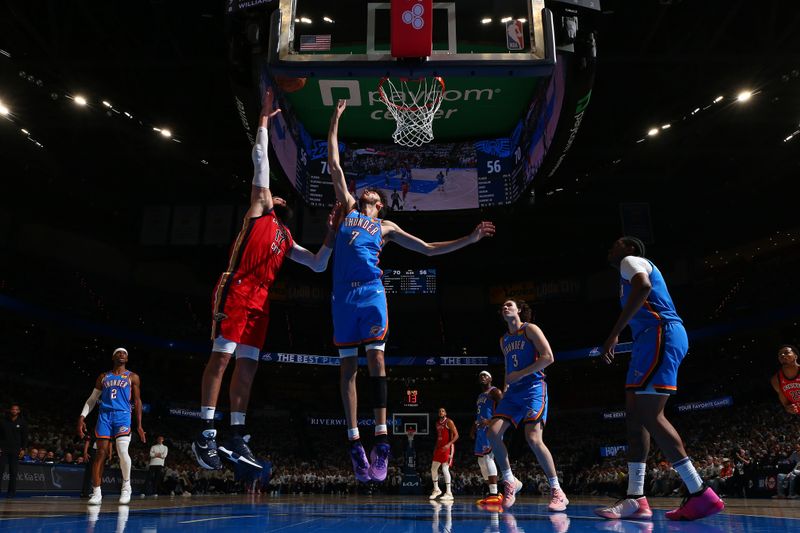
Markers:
point(96, 498)
point(447, 496)
point(435, 494)
point(125, 495)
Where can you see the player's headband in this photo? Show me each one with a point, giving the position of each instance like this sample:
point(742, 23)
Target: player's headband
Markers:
point(485, 373)
point(119, 350)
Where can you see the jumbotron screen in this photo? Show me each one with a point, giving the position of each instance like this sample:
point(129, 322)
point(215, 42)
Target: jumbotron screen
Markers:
point(410, 281)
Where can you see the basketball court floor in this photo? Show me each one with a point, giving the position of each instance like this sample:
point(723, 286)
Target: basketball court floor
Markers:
point(405, 514)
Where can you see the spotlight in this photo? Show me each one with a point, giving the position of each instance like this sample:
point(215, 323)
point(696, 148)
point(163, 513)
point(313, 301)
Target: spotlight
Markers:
point(522, 20)
point(305, 20)
point(717, 99)
point(80, 100)
point(744, 96)
point(166, 133)
point(652, 132)
point(26, 132)
point(106, 103)
point(328, 20)
point(4, 110)
point(506, 19)
point(486, 21)
point(666, 126)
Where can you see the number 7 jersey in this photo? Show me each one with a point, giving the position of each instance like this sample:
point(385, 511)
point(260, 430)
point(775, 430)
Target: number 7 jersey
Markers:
point(358, 245)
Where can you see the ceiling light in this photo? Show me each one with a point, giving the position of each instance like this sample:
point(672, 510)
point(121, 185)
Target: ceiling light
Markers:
point(506, 19)
point(166, 133)
point(666, 126)
point(652, 132)
point(522, 20)
point(717, 99)
point(744, 96)
point(328, 20)
point(305, 20)
point(4, 110)
point(106, 103)
point(486, 21)
point(80, 100)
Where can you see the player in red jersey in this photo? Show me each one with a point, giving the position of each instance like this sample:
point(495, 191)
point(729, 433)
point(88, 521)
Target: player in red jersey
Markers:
point(241, 304)
point(786, 381)
point(446, 436)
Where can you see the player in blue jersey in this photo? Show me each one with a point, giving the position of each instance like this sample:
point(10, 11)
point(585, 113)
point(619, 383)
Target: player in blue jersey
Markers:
point(526, 353)
point(487, 401)
point(359, 302)
point(115, 391)
point(659, 345)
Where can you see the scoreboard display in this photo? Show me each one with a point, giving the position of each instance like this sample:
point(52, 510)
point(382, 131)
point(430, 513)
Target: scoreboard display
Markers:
point(410, 281)
point(411, 398)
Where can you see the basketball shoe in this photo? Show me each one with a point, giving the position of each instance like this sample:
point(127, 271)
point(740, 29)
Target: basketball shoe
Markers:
point(360, 463)
point(510, 490)
point(379, 461)
point(699, 505)
point(634, 508)
point(558, 501)
point(236, 450)
point(205, 450)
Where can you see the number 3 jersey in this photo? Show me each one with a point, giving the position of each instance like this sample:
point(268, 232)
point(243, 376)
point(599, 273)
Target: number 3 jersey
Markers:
point(116, 393)
point(519, 353)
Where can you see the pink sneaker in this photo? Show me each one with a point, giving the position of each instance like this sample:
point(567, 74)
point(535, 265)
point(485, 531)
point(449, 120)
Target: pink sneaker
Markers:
point(696, 506)
point(558, 501)
point(633, 508)
point(510, 490)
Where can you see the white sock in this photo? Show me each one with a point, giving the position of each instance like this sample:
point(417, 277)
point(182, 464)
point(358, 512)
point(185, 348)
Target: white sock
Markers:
point(352, 434)
point(506, 475)
point(493, 488)
point(636, 473)
point(207, 412)
point(688, 474)
point(381, 429)
point(237, 418)
point(554, 483)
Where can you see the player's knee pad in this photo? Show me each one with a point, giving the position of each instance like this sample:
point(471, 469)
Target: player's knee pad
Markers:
point(484, 469)
point(223, 345)
point(446, 472)
point(243, 351)
point(348, 352)
point(491, 467)
point(379, 391)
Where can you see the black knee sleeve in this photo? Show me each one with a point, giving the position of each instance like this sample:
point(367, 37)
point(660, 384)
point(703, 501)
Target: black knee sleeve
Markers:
point(379, 388)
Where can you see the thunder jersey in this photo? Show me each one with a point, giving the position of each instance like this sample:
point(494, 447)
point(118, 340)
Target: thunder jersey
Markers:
point(485, 407)
point(116, 392)
point(790, 387)
point(657, 309)
point(442, 433)
point(519, 353)
point(259, 251)
point(358, 245)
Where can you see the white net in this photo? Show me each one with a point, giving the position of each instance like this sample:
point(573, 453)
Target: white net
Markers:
point(413, 104)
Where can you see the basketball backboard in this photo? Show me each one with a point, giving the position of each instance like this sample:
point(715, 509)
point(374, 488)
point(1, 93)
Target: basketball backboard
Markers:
point(402, 422)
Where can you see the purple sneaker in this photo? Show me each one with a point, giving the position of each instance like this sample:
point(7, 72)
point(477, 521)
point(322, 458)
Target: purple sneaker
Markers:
point(379, 457)
point(360, 464)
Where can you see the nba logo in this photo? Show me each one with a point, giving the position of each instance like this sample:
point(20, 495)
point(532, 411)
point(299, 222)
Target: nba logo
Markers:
point(515, 40)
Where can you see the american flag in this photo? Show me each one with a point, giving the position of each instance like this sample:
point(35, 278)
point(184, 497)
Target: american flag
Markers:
point(315, 42)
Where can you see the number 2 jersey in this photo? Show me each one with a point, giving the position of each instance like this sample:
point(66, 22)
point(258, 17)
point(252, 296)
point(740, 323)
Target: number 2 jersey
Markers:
point(116, 392)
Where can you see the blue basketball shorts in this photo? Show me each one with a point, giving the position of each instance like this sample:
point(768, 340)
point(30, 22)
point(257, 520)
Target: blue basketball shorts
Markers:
point(657, 354)
point(360, 314)
point(525, 406)
point(482, 444)
point(112, 424)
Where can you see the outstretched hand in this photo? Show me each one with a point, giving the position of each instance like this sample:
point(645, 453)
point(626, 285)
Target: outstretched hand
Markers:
point(484, 229)
point(333, 216)
point(341, 105)
point(267, 104)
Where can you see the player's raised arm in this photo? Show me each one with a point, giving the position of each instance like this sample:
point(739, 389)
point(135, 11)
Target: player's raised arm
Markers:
point(260, 196)
point(137, 404)
point(319, 262)
point(393, 232)
point(335, 167)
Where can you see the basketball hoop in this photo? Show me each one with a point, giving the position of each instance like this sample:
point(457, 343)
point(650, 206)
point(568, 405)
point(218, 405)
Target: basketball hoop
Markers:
point(410, 432)
point(413, 104)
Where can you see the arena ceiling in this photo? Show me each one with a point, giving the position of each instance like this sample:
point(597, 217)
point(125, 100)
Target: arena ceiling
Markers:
point(715, 177)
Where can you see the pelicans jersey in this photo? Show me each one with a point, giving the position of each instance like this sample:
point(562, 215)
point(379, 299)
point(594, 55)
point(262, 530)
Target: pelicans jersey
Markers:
point(790, 387)
point(358, 300)
point(240, 307)
point(659, 339)
point(485, 411)
point(114, 414)
point(525, 400)
point(443, 436)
